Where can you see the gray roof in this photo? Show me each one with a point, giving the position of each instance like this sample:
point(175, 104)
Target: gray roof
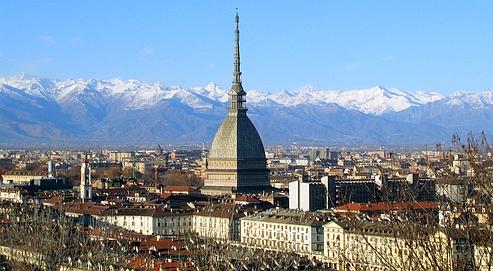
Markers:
point(289, 216)
point(237, 138)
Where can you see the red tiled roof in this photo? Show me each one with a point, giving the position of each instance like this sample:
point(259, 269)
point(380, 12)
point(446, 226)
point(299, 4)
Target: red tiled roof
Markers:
point(161, 244)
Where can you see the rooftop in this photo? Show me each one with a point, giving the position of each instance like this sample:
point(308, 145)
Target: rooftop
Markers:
point(289, 216)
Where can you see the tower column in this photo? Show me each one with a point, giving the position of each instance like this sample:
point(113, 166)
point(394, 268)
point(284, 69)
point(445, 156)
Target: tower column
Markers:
point(236, 162)
point(85, 181)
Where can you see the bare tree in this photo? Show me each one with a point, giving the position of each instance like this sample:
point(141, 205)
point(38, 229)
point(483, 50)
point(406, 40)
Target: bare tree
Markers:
point(460, 238)
point(45, 238)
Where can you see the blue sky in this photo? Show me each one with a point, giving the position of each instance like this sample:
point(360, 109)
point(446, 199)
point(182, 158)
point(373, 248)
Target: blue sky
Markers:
point(441, 46)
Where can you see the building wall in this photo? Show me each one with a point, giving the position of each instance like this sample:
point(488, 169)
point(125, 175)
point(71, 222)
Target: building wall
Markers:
point(376, 250)
point(21, 179)
point(454, 192)
point(294, 195)
point(307, 196)
point(13, 195)
point(163, 225)
point(281, 236)
point(120, 156)
point(215, 227)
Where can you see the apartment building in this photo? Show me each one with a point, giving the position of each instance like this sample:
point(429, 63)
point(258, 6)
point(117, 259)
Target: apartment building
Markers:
point(284, 229)
point(150, 220)
point(22, 177)
point(367, 245)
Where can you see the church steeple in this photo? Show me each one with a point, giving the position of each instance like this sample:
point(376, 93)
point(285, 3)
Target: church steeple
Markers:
point(237, 96)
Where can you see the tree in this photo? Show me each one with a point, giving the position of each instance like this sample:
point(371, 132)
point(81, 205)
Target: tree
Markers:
point(129, 172)
point(177, 177)
point(72, 175)
point(44, 238)
point(460, 238)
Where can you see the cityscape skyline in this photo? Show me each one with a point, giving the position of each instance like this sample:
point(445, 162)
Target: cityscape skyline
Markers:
point(127, 175)
point(438, 46)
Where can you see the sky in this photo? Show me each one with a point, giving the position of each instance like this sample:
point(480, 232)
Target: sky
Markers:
point(442, 46)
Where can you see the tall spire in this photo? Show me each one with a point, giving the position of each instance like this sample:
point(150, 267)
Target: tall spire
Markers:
point(237, 100)
point(237, 72)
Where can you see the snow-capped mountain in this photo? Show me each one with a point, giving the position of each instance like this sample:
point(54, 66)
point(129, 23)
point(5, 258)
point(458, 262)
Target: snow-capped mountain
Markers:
point(377, 100)
point(475, 100)
point(138, 95)
point(461, 112)
point(121, 110)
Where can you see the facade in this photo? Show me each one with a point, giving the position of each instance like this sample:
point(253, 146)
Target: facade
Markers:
point(454, 190)
point(284, 230)
point(22, 177)
point(143, 167)
point(314, 154)
point(150, 220)
point(12, 194)
point(120, 156)
point(347, 190)
point(221, 223)
point(307, 196)
point(85, 181)
point(365, 245)
point(483, 257)
point(236, 161)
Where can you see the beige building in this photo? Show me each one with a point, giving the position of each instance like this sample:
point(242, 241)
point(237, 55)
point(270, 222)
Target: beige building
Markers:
point(142, 167)
point(22, 177)
point(222, 223)
point(120, 156)
point(12, 194)
point(284, 230)
point(483, 256)
point(365, 245)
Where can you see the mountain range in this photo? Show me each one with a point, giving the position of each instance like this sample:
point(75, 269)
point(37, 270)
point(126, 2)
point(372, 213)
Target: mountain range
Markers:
point(120, 112)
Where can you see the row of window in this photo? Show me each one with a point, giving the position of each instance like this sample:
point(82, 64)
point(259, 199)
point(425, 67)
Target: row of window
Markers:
point(255, 225)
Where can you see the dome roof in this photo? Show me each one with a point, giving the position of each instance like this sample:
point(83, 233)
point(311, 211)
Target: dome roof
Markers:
point(237, 139)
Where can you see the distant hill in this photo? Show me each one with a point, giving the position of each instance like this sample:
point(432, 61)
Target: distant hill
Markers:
point(75, 112)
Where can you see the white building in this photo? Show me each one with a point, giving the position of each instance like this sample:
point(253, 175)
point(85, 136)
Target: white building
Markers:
point(307, 196)
point(22, 177)
point(150, 220)
point(85, 181)
point(284, 230)
point(365, 245)
point(222, 223)
point(455, 190)
point(12, 194)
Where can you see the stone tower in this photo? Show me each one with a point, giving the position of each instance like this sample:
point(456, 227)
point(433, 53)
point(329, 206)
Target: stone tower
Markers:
point(85, 181)
point(236, 161)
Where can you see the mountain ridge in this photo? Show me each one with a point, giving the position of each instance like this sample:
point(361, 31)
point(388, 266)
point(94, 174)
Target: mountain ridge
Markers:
point(120, 111)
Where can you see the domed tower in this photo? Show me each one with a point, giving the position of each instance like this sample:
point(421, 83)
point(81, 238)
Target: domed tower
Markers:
point(236, 161)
